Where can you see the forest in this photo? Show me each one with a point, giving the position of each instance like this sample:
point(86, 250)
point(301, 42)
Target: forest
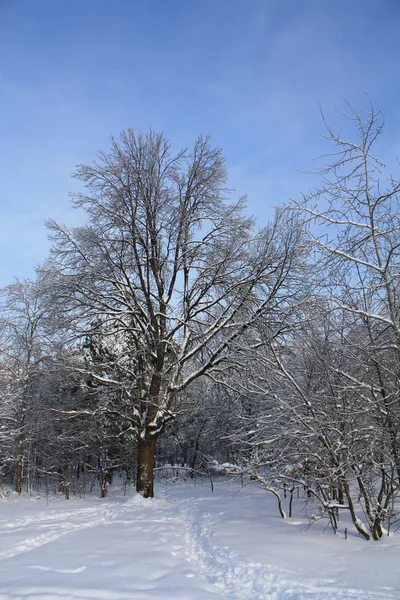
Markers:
point(172, 329)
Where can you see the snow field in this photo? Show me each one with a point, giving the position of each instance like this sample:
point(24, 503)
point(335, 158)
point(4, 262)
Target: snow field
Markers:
point(187, 544)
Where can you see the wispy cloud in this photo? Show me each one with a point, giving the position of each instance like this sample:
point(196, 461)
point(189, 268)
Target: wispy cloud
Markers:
point(251, 74)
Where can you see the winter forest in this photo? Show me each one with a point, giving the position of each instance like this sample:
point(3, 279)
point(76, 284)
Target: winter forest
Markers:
point(171, 333)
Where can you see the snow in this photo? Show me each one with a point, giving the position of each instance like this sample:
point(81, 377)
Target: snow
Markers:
point(187, 544)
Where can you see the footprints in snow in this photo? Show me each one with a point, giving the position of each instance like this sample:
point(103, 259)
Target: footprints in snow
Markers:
point(245, 580)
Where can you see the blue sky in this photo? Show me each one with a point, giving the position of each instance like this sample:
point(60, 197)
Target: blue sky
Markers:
point(249, 72)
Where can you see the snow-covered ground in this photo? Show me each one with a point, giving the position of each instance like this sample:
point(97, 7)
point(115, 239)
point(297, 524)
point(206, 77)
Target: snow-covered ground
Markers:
point(187, 544)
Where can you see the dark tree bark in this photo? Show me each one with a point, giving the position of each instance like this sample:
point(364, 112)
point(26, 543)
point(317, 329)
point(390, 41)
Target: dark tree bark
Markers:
point(145, 466)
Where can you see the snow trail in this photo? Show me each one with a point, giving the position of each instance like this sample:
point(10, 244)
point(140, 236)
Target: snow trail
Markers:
point(59, 524)
point(169, 548)
point(243, 579)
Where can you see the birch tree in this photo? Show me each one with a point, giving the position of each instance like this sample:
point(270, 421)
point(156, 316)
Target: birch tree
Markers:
point(172, 265)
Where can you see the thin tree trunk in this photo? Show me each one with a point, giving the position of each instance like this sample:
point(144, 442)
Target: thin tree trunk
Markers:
point(20, 463)
point(103, 484)
point(356, 522)
point(21, 435)
point(145, 467)
point(291, 502)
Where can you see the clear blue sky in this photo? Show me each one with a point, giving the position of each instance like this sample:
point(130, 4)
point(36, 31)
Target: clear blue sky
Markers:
point(249, 72)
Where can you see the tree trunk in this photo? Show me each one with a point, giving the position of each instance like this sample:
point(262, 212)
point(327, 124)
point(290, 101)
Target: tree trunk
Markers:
point(21, 441)
point(356, 522)
point(20, 464)
point(103, 484)
point(145, 467)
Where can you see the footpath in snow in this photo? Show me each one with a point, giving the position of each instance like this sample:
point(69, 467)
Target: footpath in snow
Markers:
point(187, 544)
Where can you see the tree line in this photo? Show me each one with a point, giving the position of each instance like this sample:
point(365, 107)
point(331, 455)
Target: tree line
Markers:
point(172, 329)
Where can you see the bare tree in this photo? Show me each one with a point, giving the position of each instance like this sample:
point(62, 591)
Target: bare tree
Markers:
point(325, 394)
point(22, 350)
point(358, 212)
point(168, 265)
point(361, 257)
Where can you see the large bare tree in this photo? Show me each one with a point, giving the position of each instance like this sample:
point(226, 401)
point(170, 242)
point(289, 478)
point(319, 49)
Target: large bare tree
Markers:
point(168, 269)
